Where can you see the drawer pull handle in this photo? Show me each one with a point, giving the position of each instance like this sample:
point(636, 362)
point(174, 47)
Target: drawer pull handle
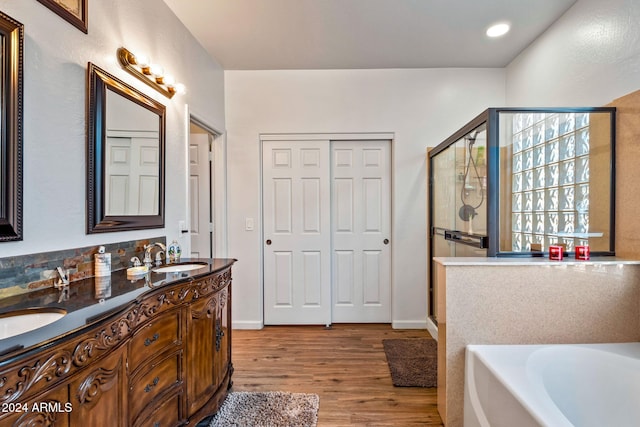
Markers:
point(151, 386)
point(148, 341)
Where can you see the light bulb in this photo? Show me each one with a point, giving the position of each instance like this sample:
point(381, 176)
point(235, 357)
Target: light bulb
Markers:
point(156, 70)
point(181, 89)
point(142, 60)
point(169, 80)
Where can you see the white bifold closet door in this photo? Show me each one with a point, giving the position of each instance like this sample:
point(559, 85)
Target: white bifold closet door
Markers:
point(361, 229)
point(326, 224)
point(297, 239)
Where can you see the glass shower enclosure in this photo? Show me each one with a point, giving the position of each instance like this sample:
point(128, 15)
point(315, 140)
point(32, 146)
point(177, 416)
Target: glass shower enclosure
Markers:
point(459, 196)
point(514, 181)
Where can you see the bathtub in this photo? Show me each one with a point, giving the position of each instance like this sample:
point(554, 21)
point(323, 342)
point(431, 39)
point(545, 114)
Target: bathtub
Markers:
point(552, 385)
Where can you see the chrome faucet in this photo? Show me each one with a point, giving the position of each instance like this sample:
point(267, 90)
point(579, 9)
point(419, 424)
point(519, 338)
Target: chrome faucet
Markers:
point(62, 284)
point(63, 280)
point(148, 262)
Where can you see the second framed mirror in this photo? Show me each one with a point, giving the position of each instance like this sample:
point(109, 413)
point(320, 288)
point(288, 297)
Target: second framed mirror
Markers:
point(125, 156)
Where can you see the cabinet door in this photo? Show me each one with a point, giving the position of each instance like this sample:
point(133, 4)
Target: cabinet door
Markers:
point(47, 409)
point(99, 394)
point(200, 351)
point(222, 354)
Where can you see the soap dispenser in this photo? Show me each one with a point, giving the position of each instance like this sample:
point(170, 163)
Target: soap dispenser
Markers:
point(174, 251)
point(102, 273)
point(102, 263)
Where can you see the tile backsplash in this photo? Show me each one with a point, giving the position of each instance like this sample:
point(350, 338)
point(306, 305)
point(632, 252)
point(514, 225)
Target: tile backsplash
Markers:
point(26, 273)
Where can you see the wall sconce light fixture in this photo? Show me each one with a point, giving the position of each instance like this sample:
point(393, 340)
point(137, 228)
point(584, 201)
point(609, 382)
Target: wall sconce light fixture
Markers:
point(151, 74)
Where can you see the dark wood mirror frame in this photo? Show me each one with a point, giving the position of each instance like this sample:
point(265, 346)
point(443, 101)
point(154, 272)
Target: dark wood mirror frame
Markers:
point(99, 81)
point(12, 34)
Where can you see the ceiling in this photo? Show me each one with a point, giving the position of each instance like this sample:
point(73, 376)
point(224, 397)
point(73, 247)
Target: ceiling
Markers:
point(353, 34)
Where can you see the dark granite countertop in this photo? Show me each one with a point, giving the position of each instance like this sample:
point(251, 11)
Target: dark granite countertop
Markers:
point(88, 301)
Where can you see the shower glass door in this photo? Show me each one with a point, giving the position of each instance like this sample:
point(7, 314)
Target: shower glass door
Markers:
point(458, 208)
point(458, 196)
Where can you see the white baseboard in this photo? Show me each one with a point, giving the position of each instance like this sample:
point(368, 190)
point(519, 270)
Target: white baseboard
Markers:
point(432, 328)
point(247, 324)
point(396, 324)
point(409, 324)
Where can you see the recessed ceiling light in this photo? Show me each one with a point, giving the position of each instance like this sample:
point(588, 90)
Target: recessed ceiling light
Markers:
point(498, 30)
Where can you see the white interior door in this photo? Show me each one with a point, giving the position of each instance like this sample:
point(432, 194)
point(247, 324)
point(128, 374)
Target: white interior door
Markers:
point(361, 231)
point(296, 227)
point(200, 180)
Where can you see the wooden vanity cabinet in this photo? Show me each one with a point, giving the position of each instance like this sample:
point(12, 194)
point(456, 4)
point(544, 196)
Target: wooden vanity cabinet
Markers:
point(165, 360)
point(208, 355)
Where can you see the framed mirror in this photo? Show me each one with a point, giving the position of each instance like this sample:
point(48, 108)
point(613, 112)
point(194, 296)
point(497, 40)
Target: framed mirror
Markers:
point(11, 51)
point(125, 156)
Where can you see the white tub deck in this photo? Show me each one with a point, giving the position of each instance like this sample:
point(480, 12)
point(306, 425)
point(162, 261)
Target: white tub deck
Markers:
point(564, 385)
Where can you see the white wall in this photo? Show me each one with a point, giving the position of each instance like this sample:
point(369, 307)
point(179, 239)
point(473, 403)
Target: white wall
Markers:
point(589, 57)
point(421, 107)
point(55, 62)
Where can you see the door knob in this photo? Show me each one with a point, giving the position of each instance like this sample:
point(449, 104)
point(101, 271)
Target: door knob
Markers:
point(268, 241)
point(385, 241)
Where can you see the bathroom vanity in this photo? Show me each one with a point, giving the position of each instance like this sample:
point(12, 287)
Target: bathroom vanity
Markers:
point(153, 350)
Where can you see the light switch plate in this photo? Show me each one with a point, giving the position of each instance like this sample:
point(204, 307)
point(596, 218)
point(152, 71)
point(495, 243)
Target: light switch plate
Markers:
point(248, 224)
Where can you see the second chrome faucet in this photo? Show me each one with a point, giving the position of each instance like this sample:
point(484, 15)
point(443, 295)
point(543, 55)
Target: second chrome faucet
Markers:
point(148, 261)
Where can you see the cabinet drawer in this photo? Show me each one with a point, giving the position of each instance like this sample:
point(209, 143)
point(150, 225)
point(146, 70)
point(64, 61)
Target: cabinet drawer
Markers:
point(167, 415)
point(153, 338)
point(146, 387)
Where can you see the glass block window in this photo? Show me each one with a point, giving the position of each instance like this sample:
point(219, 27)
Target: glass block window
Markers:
point(550, 180)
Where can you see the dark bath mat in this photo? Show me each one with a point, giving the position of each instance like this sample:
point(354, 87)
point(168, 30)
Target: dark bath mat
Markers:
point(413, 362)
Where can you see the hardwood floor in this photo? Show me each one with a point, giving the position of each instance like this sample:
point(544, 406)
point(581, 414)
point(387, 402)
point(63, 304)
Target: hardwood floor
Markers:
point(345, 365)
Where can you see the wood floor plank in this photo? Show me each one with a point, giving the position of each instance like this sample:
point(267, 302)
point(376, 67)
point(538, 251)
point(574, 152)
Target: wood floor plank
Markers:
point(345, 365)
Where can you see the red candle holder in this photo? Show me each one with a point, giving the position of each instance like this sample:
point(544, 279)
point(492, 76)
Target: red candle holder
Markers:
point(555, 252)
point(583, 252)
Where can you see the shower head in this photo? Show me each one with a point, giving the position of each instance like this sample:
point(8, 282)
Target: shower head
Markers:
point(467, 212)
point(472, 138)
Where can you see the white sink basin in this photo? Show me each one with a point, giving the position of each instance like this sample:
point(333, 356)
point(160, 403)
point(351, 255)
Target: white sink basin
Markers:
point(137, 271)
point(21, 321)
point(177, 268)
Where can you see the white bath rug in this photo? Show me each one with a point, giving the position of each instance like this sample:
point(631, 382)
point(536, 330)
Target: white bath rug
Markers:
point(267, 409)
